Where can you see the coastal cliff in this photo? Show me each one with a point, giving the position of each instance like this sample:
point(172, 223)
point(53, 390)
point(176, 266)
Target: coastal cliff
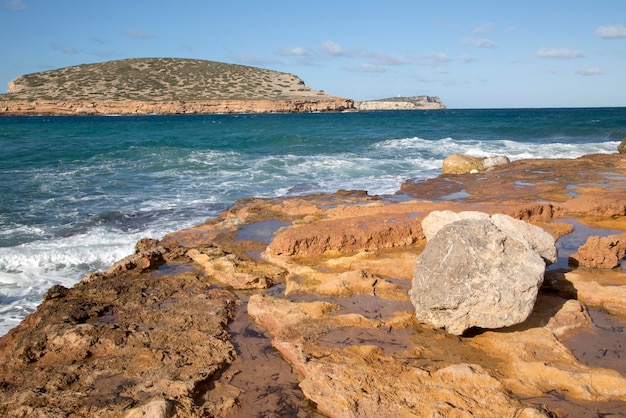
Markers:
point(402, 103)
point(132, 107)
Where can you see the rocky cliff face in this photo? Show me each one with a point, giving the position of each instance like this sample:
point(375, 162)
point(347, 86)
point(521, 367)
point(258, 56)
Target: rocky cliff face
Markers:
point(402, 103)
point(132, 107)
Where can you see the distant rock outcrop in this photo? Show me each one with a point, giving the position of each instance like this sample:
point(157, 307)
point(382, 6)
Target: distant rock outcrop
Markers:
point(402, 103)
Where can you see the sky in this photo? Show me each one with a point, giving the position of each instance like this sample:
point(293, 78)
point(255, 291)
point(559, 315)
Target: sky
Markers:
point(471, 54)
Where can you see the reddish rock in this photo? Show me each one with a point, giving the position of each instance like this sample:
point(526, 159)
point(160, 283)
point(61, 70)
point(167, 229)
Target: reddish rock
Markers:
point(349, 235)
point(600, 252)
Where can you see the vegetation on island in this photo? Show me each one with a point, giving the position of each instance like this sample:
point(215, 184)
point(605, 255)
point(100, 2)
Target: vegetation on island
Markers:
point(159, 79)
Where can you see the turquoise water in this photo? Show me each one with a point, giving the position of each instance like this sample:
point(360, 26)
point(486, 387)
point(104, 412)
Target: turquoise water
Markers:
point(78, 192)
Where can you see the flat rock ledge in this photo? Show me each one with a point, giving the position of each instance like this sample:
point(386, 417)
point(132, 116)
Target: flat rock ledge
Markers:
point(185, 327)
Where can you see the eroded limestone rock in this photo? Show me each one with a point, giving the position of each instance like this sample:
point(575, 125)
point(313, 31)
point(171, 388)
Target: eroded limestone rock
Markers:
point(600, 252)
point(472, 274)
point(365, 380)
point(233, 271)
point(467, 164)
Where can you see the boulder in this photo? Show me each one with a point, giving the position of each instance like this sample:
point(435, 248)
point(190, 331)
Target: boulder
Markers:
point(473, 274)
point(437, 219)
point(621, 148)
point(531, 236)
point(489, 163)
point(600, 252)
point(461, 164)
point(467, 164)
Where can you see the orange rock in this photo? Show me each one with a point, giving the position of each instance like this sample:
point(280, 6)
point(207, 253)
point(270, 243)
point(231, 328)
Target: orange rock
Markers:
point(600, 252)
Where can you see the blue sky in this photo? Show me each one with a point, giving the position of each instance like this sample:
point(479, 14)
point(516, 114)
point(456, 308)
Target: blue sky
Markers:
point(472, 54)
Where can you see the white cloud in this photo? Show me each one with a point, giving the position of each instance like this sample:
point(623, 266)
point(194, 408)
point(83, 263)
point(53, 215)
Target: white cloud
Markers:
point(478, 43)
point(467, 58)
point(611, 31)
point(298, 51)
point(589, 71)
point(386, 59)
point(13, 4)
point(483, 28)
point(562, 53)
point(367, 68)
point(66, 49)
point(334, 49)
point(435, 59)
point(135, 34)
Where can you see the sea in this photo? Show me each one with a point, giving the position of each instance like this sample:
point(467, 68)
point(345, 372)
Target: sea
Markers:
point(77, 192)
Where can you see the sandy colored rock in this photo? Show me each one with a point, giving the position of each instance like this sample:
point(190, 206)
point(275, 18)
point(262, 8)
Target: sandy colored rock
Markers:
point(621, 148)
point(611, 297)
point(461, 164)
point(571, 317)
point(156, 329)
point(159, 408)
point(536, 362)
point(467, 164)
point(118, 340)
point(233, 271)
point(330, 379)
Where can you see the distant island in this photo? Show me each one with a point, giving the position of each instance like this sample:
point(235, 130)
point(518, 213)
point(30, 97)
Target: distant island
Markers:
point(175, 86)
point(402, 103)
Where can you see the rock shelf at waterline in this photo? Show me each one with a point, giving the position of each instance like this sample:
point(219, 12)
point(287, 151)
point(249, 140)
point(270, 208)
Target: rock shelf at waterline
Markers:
point(163, 331)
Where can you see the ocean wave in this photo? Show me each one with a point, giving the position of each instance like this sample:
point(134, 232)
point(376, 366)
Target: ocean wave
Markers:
point(439, 149)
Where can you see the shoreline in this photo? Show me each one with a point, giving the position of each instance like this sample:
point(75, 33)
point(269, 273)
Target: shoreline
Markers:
point(336, 268)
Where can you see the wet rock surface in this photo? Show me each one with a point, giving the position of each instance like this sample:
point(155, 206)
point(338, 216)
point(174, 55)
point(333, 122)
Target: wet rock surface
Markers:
point(163, 333)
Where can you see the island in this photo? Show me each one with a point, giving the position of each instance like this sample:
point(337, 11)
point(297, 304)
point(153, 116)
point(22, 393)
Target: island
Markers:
point(173, 86)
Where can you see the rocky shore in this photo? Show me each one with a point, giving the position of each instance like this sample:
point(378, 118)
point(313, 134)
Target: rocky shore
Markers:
point(300, 307)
